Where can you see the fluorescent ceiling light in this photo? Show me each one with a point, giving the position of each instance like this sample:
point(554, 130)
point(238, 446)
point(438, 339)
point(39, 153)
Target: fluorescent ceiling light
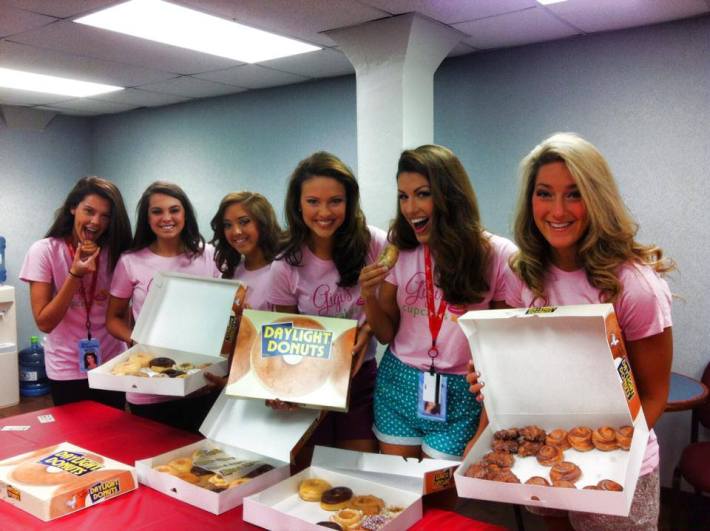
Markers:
point(168, 23)
point(548, 2)
point(17, 79)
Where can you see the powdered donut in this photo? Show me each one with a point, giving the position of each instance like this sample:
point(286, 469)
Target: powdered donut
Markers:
point(69, 498)
point(288, 380)
point(140, 358)
point(343, 363)
point(245, 343)
point(31, 472)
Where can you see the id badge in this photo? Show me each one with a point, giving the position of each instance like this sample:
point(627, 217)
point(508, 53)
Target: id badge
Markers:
point(89, 354)
point(431, 400)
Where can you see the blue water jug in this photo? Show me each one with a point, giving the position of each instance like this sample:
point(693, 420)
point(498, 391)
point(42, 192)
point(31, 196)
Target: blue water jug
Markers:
point(33, 377)
point(3, 271)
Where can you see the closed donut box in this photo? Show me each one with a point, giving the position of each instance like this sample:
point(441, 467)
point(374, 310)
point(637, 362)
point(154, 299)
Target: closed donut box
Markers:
point(561, 368)
point(295, 358)
point(62, 479)
point(186, 321)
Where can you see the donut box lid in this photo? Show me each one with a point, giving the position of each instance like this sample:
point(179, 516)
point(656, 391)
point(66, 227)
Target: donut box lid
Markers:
point(251, 425)
point(186, 312)
point(550, 363)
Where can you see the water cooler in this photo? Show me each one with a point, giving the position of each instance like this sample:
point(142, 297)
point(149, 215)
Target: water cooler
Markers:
point(9, 378)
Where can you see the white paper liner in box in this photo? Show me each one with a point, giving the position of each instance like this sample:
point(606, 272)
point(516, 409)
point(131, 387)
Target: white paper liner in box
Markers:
point(236, 426)
point(554, 370)
point(184, 317)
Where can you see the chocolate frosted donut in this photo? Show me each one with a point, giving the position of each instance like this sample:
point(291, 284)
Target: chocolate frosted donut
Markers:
point(173, 373)
point(161, 364)
point(336, 498)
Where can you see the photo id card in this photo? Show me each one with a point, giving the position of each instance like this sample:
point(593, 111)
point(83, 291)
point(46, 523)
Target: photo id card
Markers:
point(89, 354)
point(431, 400)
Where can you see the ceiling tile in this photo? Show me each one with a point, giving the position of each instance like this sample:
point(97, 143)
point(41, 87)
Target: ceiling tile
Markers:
point(514, 29)
point(17, 20)
point(111, 46)
point(59, 8)
point(461, 49)
point(141, 98)
point(253, 77)
point(451, 12)
point(87, 107)
point(26, 97)
point(43, 61)
point(327, 62)
point(192, 87)
point(606, 15)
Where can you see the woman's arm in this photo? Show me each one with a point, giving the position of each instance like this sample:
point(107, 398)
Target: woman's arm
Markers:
point(286, 309)
point(117, 319)
point(380, 302)
point(651, 359)
point(482, 425)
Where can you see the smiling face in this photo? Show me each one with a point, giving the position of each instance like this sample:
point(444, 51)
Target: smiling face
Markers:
point(323, 206)
point(559, 213)
point(416, 203)
point(166, 216)
point(241, 230)
point(91, 218)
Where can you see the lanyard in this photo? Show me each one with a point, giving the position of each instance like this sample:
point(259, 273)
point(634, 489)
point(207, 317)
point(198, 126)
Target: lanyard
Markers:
point(436, 316)
point(88, 300)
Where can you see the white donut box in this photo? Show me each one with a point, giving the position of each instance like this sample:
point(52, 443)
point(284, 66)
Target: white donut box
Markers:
point(184, 318)
point(556, 367)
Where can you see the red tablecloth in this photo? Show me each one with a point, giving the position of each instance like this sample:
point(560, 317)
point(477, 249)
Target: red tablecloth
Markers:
point(126, 438)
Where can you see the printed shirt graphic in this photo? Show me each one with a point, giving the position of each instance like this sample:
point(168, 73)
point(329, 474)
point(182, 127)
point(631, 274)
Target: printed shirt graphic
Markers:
point(313, 286)
point(413, 339)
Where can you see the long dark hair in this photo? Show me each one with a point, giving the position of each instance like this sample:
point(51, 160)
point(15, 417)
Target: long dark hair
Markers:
point(226, 257)
point(118, 234)
point(191, 238)
point(351, 240)
point(457, 241)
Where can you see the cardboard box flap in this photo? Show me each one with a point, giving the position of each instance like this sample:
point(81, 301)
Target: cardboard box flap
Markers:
point(251, 425)
point(422, 477)
point(186, 312)
point(520, 348)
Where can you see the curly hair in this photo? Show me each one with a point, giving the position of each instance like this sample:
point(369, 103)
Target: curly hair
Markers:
point(351, 240)
point(458, 243)
point(609, 240)
point(226, 257)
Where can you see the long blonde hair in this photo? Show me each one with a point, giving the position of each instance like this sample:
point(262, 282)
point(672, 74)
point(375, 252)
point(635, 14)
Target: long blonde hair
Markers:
point(609, 240)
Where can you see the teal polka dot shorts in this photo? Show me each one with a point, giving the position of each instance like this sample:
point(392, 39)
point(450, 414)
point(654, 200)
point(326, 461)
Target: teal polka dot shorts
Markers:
point(396, 420)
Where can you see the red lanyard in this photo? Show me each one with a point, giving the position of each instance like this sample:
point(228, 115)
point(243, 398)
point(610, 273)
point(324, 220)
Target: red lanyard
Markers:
point(88, 300)
point(436, 316)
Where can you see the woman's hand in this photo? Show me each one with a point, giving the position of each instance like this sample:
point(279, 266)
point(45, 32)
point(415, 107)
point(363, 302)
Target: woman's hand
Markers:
point(81, 266)
point(475, 385)
point(362, 340)
point(215, 382)
point(278, 405)
point(371, 277)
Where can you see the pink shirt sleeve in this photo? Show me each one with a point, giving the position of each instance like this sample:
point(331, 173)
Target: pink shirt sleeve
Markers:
point(37, 265)
point(282, 291)
point(644, 306)
point(121, 283)
point(501, 251)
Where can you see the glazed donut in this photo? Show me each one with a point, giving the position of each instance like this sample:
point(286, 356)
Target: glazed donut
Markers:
point(558, 437)
point(538, 480)
point(336, 498)
point(506, 476)
point(607, 484)
point(293, 380)
point(189, 477)
point(368, 504)
point(181, 465)
point(476, 470)
point(503, 445)
point(604, 439)
point(389, 256)
point(312, 489)
point(165, 469)
point(126, 368)
point(87, 248)
point(502, 459)
point(237, 482)
point(509, 434)
point(347, 518)
point(565, 471)
point(72, 497)
point(624, 436)
point(245, 342)
point(527, 448)
point(549, 455)
point(30, 472)
point(580, 438)
point(140, 358)
point(186, 366)
point(174, 373)
point(343, 364)
point(161, 364)
point(218, 481)
point(533, 433)
point(563, 484)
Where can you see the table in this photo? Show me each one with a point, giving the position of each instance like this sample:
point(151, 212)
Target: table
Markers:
point(685, 393)
point(126, 438)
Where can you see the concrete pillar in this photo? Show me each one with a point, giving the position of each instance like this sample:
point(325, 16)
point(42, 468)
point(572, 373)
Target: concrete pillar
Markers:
point(395, 60)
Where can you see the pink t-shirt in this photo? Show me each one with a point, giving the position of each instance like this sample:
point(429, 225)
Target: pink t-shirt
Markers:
point(313, 286)
point(413, 339)
point(257, 283)
point(48, 260)
point(134, 275)
point(643, 309)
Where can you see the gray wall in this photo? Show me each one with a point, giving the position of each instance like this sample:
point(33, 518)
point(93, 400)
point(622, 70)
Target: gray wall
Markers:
point(37, 170)
point(642, 96)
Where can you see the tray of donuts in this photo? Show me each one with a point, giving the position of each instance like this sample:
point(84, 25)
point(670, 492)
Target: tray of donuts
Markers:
point(318, 497)
point(542, 468)
point(155, 370)
point(61, 479)
point(210, 476)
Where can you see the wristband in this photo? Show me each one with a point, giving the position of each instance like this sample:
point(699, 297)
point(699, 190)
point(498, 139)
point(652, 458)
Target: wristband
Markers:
point(75, 275)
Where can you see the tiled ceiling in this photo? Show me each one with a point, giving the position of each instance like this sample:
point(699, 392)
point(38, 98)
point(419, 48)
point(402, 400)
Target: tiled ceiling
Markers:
point(40, 36)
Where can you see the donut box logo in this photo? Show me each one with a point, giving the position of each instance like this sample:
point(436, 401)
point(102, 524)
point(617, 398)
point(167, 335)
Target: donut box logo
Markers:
point(13, 493)
point(104, 489)
point(284, 339)
point(540, 309)
point(75, 463)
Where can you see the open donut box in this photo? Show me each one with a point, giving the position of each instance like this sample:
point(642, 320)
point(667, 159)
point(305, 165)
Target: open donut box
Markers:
point(184, 318)
point(246, 429)
point(397, 481)
point(92, 479)
point(295, 358)
point(556, 367)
